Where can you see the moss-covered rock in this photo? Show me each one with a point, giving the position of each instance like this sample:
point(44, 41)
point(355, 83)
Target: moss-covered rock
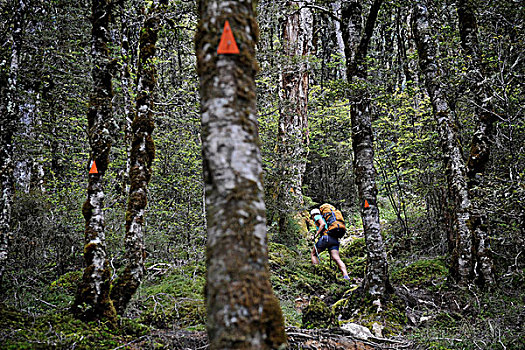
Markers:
point(357, 306)
point(422, 273)
point(318, 315)
point(67, 283)
point(178, 314)
point(356, 248)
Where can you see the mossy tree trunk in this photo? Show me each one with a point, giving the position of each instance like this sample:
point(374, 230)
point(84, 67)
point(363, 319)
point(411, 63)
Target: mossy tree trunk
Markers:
point(243, 312)
point(357, 39)
point(141, 160)
point(126, 53)
point(481, 140)
point(92, 301)
point(9, 116)
point(462, 263)
point(297, 33)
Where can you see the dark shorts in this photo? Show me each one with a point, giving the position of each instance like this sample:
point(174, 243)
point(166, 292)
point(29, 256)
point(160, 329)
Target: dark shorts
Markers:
point(327, 242)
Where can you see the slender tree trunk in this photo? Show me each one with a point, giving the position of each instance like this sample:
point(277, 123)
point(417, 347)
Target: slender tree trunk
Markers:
point(142, 154)
point(376, 279)
point(92, 300)
point(481, 140)
point(297, 32)
point(456, 172)
point(125, 79)
point(336, 8)
point(9, 117)
point(243, 312)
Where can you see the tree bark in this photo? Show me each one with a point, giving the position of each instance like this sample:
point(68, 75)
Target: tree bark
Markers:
point(92, 301)
point(336, 8)
point(9, 118)
point(297, 34)
point(481, 141)
point(243, 312)
point(376, 280)
point(141, 160)
point(462, 264)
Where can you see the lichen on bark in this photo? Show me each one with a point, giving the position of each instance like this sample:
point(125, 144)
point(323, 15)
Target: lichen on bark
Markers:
point(462, 262)
point(141, 160)
point(92, 300)
point(242, 310)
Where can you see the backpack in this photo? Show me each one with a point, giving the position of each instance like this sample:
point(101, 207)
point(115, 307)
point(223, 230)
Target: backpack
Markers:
point(334, 220)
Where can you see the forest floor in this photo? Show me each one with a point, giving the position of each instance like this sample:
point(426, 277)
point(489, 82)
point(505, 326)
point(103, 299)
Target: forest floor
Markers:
point(321, 310)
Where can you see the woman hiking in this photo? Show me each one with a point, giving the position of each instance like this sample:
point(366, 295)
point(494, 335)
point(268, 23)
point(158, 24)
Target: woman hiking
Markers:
point(326, 242)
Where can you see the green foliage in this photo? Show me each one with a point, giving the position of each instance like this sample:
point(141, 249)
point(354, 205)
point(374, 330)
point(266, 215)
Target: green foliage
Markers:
point(491, 325)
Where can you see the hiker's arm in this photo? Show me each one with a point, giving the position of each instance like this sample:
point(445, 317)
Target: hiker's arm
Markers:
point(321, 227)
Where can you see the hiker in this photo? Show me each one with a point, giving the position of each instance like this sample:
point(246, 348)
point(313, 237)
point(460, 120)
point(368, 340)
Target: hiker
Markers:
point(326, 241)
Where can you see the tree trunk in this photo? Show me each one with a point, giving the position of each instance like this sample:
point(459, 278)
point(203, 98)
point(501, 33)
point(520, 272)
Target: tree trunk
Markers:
point(376, 279)
point(125, 80)
point(243, 312)
point(456, 173)
point(336, 9)
point(141, 160)
point(481, 140)
point(297, 32)
point(92, 300)
point(9, 117)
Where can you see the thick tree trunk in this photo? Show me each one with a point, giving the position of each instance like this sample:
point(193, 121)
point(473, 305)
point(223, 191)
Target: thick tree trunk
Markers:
point(243, 312)
point(376, 279)
point(481, 140)
point(92, 300)
point(142, 154)
point(456, 173)
point(9, 117)
point(297, 33)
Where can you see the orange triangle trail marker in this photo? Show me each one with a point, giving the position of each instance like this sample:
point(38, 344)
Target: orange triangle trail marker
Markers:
point(227, 45)
point(366, 204)
point(94, 169)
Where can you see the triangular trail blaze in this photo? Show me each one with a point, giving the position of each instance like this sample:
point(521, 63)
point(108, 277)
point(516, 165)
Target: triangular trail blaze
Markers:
point(93, 169)
point(227, 45)
point(366, 204)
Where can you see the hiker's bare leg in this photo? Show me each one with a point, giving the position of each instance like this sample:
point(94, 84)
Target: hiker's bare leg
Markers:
point(313, 254)
point(335, 256)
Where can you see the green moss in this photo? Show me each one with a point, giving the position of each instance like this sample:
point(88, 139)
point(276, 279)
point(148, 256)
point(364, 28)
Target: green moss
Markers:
point(356, 248)
point(422, 273)
point(67, 282)
point(175, 298)
point(359, 307)
point(318, 315)
point(61, 331)
point(273, 321)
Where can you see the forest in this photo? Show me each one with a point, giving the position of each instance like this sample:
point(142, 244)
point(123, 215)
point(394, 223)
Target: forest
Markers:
point(161, 161)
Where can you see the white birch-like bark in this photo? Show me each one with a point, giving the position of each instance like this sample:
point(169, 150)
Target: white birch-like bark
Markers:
point(481, 140)
point(9, 116)
point(336, 8)
point(242, 311)
point(92, 300)
point(456, 170)
point(293, 119)
point(376, 280)
point(141, 160)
